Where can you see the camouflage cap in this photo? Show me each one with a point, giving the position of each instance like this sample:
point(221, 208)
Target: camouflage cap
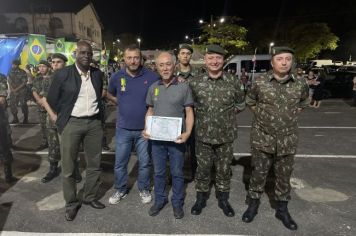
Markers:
point(16, 62)
point(185, 46)
point(279, 50)
point(44, 62)
point(60, 56)
point(213, 48)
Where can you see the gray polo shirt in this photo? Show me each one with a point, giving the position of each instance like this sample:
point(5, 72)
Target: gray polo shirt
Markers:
point(169, 101)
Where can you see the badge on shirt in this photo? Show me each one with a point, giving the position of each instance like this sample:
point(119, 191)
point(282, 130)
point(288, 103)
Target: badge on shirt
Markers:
point(123, 84)
point(156, 94)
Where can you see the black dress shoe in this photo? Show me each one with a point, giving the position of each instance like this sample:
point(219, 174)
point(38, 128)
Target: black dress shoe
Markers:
point(71, 213)
point(95, 204)
point(178, 213)
point(155, 209)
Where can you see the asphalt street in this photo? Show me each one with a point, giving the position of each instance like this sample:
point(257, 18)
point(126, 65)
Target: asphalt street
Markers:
point(323, 195)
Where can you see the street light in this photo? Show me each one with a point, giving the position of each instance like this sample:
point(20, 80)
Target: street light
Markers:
point(186, 37)
point(118, 40)
point(201, 21)
point(270, 47)
point(139, 42)
point(222, 20)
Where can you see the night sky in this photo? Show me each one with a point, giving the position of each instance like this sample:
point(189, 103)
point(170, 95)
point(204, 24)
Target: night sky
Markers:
point(161, 22)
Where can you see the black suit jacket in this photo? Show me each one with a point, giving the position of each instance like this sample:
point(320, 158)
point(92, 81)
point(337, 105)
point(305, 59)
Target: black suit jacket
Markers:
point(64, 90)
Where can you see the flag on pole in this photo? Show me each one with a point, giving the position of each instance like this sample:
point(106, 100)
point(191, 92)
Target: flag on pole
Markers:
point(104, 59)
point(10, 49)
point(70, 48)
point(59, 46)
point(36, 48)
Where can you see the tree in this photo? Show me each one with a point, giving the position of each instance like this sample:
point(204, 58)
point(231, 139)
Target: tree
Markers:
point(229, 35)
point(309, 39)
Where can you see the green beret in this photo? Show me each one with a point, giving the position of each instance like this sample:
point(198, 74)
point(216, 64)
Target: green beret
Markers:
point(16, 62)
point(213, 48)
point(185, 46)
point(44, 62)
point(279, 50)
point(60, 56)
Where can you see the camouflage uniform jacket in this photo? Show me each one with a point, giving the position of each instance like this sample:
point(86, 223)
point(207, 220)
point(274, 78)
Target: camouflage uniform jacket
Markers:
point(17, 77)
point(3, 86)
point(216, 102)
point(186, 75)
point(41, 86)
point(275, 123)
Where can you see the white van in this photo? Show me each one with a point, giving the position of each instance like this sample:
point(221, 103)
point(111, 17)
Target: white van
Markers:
point(236, 63)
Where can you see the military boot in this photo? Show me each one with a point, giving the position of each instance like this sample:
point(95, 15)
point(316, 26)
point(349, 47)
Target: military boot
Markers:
point(9, 178)
point(283, 215)
point(25, 118)
point(105, 145)
point(200, 203)
point(224, 203)
point(15, 120)
point(52, 173)
point(251, 211)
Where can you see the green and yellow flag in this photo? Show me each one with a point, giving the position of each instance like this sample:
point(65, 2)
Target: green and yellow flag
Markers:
point(36, 48)
point(59, 46)
point(70, 48)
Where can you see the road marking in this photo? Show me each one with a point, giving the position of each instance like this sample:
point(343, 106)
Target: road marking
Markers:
point(312, 127)
point(16, 233)
point(236, 154)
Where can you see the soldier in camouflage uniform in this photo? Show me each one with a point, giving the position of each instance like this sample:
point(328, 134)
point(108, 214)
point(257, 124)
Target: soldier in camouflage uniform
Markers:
point(218, 96)
point(39, 88)
point(186, 71)
point(17, 81)
point(275, 98)
point(5, 137)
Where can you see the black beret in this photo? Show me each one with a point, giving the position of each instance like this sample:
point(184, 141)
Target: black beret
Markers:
point(279, 50)
point(213, 48)
point(185, 46)
point(60, 56)
point(16, 62)
point(44, 62)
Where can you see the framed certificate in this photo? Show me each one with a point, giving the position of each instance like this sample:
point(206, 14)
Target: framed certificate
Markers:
point(163, 128)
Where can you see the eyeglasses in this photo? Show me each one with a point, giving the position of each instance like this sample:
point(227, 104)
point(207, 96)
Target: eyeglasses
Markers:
point(53, 62)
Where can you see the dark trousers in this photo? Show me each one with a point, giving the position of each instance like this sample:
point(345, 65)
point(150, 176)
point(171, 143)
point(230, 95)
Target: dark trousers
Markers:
point(283, 167)
point(90, 132)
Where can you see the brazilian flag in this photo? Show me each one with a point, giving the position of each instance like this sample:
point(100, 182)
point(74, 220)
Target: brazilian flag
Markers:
point(36, 48)
point(70, 48)
point(104, 59)
point(59, 46)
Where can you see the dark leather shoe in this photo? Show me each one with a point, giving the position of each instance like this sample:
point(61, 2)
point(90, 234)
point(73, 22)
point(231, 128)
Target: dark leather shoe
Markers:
point(71, 213)
point(155, 209)
point(178, 213)
point(95, 204)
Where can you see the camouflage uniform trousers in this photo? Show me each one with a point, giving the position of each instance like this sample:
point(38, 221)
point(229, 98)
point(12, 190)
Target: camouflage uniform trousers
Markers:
point(54, 154)
point(5, 137)
point(15, 99)
point(42, 118)
point(282, 166)
point(219, 155)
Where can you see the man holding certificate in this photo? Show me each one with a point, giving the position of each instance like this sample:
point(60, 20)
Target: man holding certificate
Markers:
point(167, 100)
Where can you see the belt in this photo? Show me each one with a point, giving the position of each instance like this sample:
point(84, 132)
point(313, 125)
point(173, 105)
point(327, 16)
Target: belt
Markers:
point(93, 117)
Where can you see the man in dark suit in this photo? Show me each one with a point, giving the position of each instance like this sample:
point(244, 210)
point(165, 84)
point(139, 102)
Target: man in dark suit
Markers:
point(75, 95)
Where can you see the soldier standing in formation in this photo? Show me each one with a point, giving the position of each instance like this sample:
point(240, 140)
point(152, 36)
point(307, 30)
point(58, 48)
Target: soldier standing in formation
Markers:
point(39, 88)
point(5, 137)
point(186, 71)
point(275, 98)
point(218, 96)
point(17, 82)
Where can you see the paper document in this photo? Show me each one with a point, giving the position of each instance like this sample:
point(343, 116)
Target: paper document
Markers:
point(163, 128)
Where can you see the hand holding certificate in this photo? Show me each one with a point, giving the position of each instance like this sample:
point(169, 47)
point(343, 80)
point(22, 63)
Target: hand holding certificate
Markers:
point(163, 128)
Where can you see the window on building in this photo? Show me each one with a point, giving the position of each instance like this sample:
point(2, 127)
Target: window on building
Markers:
point(21, 25)
point(56, 23)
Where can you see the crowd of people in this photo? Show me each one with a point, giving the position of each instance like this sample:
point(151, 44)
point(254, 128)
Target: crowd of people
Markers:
point(71, 102)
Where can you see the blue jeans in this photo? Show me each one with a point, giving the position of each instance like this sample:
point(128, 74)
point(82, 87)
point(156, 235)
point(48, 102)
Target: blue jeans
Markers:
point(161, 151)
point(124, 140)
